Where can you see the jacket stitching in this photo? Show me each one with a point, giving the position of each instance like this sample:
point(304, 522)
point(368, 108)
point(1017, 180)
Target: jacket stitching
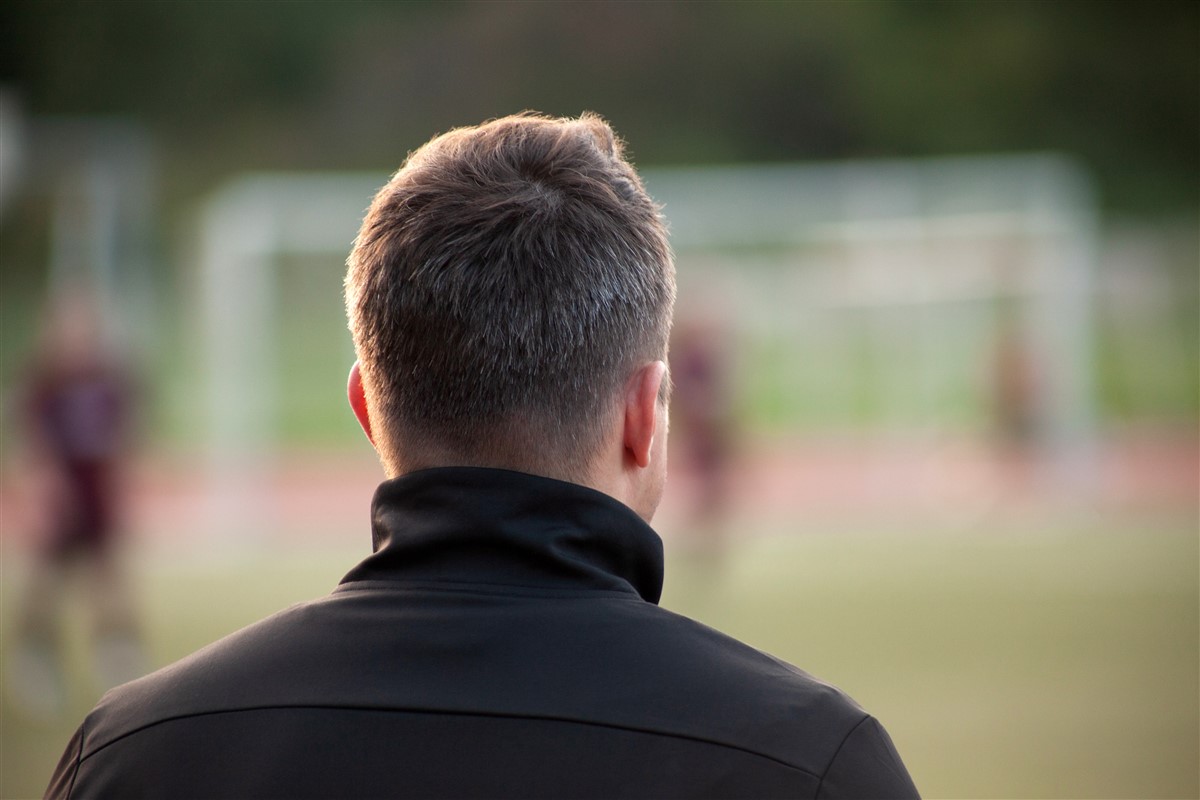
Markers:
point(371, 709)
point(837, 752)
point(78, 759)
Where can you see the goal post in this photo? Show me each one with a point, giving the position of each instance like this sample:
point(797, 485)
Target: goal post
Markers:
point(916, 241)
point(906, 261)
point(246, 228)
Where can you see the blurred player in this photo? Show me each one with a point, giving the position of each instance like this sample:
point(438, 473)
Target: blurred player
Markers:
point(702, 409)
point(76, 412)
point(1016, 393)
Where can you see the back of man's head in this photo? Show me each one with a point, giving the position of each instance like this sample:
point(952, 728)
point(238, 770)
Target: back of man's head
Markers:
point(504, 284)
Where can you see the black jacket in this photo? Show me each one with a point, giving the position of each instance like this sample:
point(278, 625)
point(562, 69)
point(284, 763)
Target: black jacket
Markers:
point(503, 641)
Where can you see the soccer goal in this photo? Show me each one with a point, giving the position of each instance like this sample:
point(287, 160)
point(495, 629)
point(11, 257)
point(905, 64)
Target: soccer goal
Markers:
point(876, 296)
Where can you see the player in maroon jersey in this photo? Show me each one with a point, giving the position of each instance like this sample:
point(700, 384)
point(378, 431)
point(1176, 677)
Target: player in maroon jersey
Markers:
point(77, 409)
point(702, 406)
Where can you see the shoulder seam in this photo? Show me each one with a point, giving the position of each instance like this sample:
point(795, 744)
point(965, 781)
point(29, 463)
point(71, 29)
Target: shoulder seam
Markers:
point(648, 731)
point(78, 757)
point(837, 752)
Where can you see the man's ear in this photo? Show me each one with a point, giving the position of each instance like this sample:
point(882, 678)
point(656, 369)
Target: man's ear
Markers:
point(358, 401)
point(641, 411)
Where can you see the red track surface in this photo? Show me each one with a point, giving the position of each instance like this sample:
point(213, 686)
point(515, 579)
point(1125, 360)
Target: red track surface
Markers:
point(799, 485)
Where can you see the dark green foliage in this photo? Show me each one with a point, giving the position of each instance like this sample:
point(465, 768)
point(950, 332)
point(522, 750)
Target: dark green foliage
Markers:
point(303, 85)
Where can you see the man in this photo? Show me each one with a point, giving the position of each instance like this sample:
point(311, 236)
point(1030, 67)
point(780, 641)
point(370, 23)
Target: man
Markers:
point(510, 297)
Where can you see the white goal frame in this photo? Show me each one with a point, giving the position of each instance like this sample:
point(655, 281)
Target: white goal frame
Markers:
point(891, 216)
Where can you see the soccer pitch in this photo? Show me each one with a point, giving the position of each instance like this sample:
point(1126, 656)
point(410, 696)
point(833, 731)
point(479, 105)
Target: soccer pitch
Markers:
point(1013, 660)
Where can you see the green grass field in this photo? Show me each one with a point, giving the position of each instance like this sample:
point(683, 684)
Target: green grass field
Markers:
point(1007, 662)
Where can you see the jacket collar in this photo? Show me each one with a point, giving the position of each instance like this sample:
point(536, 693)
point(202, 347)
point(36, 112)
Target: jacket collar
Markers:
point(471, 525)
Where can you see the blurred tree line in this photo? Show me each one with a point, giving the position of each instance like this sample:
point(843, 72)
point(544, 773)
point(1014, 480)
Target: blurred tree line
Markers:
point(226, 86)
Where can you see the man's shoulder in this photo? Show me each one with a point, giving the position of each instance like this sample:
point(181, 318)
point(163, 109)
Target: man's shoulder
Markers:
point(754, 698)
point(240, 670)
point(680, 636)
point(610, 661)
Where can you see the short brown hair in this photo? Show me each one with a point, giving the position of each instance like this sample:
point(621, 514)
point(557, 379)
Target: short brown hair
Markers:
point(503, 285)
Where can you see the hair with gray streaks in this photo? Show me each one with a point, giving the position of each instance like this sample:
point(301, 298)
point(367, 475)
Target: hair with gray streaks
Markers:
point(502, 287)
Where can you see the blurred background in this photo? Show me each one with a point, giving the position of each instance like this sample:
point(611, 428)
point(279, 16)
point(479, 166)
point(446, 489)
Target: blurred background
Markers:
point(935, 437)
